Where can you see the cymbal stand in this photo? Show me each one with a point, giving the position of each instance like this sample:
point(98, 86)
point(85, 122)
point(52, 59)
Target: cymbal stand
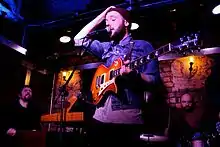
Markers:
point(63, 93)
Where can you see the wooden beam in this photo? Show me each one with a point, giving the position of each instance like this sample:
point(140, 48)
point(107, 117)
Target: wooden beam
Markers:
point(31, 67)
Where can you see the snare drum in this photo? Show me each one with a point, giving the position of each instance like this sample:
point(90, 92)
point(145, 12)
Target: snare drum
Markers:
point(198, 143)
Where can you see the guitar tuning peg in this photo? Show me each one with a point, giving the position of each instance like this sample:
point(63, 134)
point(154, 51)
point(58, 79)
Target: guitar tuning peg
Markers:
point(195, 43)
point(188, 38)
point(181, 40)
point(196, 35)
point(192, 36)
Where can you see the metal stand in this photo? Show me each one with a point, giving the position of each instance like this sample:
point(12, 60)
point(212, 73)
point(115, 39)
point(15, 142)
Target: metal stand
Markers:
point(63, 93)
point(51, 100)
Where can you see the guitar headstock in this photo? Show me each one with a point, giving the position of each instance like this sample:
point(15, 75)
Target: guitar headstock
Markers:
point(189, 44)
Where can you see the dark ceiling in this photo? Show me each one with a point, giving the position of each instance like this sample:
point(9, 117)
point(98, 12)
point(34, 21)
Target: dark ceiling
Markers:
point(46, 20)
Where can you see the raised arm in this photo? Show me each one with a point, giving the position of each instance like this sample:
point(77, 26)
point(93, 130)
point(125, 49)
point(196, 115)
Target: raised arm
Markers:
point(78, 39)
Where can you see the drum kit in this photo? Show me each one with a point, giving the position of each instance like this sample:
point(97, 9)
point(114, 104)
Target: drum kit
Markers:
point(211, 140)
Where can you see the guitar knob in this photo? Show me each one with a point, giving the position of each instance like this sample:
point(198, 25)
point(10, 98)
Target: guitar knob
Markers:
point(180, 48)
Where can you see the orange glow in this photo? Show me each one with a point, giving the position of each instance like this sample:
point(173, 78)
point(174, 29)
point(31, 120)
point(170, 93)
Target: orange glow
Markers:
point(64, 74)
point(191, 59)
point(200, 69)
point(28, 77)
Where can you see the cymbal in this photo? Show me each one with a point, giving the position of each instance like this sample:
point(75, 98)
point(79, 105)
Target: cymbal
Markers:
point(153, 138)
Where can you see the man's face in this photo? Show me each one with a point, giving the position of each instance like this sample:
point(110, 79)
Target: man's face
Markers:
point(187, 102)
point(115, 22)
point(26, 94)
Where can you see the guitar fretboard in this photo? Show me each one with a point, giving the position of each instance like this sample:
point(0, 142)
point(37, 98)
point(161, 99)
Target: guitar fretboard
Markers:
point(144, 59)
point(151, 56)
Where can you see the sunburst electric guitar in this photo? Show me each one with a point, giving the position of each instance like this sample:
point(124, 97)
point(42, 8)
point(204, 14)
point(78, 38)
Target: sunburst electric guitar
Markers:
point(104, 77)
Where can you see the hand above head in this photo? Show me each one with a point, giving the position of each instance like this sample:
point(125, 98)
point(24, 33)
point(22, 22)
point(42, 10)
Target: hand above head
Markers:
point(79, 38)
point(103, 14)
point(11, 132)
point(110, 7)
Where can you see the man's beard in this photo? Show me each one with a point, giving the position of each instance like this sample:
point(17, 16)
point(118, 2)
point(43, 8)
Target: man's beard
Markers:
point(118, 34)
point(188, 109)
point(27, 98)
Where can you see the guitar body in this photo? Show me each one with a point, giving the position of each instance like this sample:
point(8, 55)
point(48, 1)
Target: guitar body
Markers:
point(104, 81)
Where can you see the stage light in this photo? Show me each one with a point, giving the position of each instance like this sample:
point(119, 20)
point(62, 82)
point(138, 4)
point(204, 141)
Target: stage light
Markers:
point(216, 10)
point(64, 75)
point(134, 26)
point(65, 39)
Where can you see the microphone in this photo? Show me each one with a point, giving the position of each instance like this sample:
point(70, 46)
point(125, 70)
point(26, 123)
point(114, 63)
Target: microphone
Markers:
point(96, 32)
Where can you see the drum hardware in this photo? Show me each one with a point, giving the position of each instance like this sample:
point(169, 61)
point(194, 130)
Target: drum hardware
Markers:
point(212, 138)
point(147, 137)
point(151, 138)
point(184, 142)
point(205, 140)
point(63, 93)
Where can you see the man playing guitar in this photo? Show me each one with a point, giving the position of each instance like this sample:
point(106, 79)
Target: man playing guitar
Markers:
point(119, 118)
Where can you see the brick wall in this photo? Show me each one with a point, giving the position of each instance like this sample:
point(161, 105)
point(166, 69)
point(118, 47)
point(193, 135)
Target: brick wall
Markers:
point(178, 79)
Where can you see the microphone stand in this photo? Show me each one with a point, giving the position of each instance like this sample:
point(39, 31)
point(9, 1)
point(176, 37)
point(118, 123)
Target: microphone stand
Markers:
point(63, 93)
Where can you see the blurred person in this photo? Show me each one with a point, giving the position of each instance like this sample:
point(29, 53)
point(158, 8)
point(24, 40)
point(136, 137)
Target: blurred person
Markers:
point(21, 115)
point(191, 122)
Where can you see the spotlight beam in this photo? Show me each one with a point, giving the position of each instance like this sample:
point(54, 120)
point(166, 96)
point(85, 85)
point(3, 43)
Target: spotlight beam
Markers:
point(13, 45)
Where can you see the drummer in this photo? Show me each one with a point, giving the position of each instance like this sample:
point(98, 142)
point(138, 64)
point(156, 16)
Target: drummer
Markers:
point(191, 121)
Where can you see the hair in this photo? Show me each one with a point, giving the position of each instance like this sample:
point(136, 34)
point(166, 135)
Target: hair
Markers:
point(192, 96)
point(124, 13)
point(25, 86)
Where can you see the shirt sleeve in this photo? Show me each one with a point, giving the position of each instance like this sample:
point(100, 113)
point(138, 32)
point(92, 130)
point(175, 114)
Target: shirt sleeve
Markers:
point(151, 69)
point(94, 47)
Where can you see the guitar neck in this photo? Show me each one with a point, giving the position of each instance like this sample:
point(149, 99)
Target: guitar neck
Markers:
point(145, 59)
point(151, 56)
point(159, 52)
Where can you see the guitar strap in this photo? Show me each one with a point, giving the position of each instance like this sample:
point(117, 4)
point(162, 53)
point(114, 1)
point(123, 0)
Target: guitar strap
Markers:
point(128, 55)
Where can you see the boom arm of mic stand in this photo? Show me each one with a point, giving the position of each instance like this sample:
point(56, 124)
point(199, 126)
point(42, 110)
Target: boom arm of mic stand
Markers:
point(63, 94)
